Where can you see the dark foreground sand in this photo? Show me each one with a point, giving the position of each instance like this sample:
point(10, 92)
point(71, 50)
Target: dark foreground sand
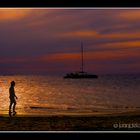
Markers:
point(120, 122)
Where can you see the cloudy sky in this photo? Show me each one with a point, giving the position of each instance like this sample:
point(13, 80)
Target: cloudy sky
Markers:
point(48, 41)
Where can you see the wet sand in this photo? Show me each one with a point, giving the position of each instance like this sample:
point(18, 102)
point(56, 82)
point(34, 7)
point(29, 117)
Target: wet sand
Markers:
point(115, 122)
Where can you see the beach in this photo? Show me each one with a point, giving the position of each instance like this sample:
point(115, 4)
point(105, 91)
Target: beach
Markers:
point(47, 103)
point(115, 122)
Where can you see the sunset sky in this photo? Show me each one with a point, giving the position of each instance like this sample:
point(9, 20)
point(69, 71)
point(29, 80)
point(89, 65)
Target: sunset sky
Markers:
point(48, 41)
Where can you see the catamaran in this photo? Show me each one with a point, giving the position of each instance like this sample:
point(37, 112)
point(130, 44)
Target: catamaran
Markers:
point(80, 74)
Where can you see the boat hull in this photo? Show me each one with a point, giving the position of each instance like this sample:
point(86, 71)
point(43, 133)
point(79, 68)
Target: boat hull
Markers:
point(80, 76)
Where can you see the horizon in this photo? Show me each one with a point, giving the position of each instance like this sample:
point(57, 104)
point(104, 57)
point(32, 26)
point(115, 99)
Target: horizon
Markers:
point(47, 41)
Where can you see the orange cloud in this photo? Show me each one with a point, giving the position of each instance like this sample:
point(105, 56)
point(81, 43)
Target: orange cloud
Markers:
point(94, 34)
point(130, 15)
point(98, 55)
point(80, 34)
point(121, 35)
point(128, 44)
point(12, 14)
point(111, 54)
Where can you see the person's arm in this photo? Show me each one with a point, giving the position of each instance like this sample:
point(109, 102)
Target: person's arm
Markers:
point(15, 95)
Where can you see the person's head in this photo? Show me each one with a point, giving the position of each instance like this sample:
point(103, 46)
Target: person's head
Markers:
point(13, 83)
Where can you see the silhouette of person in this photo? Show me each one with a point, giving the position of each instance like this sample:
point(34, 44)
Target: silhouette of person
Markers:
point(12, 97)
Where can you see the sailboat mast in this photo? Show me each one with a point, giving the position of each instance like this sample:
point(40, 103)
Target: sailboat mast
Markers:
point(82, 56)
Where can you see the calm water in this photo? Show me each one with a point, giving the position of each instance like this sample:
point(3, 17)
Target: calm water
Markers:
point(44, 95)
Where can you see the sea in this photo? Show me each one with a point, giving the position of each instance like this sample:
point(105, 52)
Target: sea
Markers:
point(40, 95)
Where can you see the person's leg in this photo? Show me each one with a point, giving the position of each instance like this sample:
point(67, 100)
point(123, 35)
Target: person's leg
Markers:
point(10, 106)
point(14, 106)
